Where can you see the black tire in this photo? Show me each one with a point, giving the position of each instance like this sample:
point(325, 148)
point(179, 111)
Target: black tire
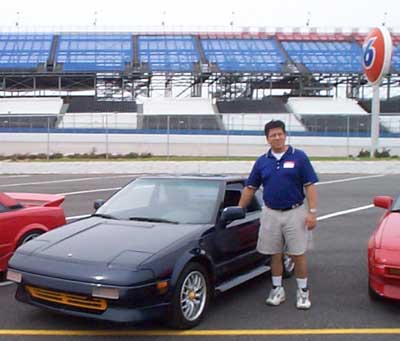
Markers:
point(194, 280)
point(288, 266)
point(29, 236)
point(373, 295)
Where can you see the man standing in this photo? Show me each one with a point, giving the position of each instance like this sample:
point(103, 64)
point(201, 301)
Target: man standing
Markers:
point(287, 177)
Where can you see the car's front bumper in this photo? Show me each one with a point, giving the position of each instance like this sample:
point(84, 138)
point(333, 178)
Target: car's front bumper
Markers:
point(136, 303)
point(4, 257)
point(382, 284)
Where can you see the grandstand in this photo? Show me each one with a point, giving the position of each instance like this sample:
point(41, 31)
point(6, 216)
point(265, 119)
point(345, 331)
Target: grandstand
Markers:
point(390, 119)
point(340, 115)
point(123, 62)
point(294, 76)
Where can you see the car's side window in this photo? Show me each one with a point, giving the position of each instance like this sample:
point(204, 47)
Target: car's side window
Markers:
point(253, 206)
point(3, 208)
point(232, 197)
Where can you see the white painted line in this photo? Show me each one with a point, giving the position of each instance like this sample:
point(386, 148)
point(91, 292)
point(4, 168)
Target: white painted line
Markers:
point(319, 183)
point(91, 191)
point(14, 176)
point(351, 210)
point(6, 283)
point(67, 180)
point(349, 179)
point(77, 217)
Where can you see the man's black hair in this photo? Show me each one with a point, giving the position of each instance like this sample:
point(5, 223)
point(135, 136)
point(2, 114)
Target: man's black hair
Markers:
point(274, 124)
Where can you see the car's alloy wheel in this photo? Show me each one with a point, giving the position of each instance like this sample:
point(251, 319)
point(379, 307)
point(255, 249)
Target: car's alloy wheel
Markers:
point(191, 297)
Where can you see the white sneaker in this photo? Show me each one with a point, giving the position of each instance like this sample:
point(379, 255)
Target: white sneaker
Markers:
point(276, 296)
point(303, 299)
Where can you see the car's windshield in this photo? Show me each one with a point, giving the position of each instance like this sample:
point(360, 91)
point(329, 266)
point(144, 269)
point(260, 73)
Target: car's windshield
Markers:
point(176, 201)
point(396, 205)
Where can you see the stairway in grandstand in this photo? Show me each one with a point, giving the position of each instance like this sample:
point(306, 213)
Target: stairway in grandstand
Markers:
point(330, 115)
point(389, 116)
point(251, 115)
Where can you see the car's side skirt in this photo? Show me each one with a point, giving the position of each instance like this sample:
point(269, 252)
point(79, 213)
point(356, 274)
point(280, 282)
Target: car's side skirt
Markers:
point(242, 278)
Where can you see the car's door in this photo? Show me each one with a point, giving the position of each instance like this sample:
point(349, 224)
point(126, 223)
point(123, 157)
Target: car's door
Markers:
point(236, 242)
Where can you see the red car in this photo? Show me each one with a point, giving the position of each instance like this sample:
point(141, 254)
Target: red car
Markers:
point(24, 216)
point(384, 251)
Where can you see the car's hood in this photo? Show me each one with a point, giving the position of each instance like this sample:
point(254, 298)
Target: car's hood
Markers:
point(106, 241)
point(95, 248)
point(389, 233)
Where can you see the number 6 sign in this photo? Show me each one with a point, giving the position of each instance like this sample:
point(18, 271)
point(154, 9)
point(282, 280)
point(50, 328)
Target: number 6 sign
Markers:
point(377, 54)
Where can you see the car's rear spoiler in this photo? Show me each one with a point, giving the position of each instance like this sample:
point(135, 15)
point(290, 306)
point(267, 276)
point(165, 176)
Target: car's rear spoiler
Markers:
point(37, 199)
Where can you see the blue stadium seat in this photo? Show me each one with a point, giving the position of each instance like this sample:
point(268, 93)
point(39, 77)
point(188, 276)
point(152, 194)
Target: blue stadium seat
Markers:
point(244, 55)
point(396, 57)
point(326, 56)
point(94, 52)
point(168, 52)
point(24, 51)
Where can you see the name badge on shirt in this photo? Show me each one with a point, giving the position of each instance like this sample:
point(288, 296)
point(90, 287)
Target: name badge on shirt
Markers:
point(288, 164)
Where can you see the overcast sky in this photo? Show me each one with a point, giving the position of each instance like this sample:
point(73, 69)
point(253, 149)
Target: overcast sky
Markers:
point(212, 13)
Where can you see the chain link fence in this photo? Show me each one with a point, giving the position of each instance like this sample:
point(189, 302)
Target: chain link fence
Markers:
point(194, 135)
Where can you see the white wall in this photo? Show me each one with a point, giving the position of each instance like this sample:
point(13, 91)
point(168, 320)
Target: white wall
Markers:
point(31, 105)
point(324, 106)
point(99, 120)
point(189, 145)
point(257, 121)
point(176, 106)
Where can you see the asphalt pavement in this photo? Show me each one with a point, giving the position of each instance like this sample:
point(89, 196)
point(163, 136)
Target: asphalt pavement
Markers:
point(342, 309)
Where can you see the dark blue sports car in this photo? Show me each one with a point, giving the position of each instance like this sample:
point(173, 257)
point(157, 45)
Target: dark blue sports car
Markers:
point(161, 247)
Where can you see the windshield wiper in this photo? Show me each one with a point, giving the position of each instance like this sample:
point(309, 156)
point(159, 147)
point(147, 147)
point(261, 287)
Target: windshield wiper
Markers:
point(105, 216)
point(155, 220)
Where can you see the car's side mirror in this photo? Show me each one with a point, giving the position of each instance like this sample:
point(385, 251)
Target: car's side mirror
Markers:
point(383, 201)
point(231, 213)
point(98, 203)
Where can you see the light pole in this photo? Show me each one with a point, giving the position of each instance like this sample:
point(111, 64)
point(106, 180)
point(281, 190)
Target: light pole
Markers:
point(17, 19)
point(95, 19)
point(163, 18)
point(308, 19)
point(384, 18)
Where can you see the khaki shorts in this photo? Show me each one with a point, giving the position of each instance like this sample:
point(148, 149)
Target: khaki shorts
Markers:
point(284, 231)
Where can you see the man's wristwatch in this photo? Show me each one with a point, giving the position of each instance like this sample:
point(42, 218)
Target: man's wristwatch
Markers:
point(312, 210)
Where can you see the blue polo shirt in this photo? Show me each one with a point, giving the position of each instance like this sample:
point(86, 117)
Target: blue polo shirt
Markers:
point(283, 180)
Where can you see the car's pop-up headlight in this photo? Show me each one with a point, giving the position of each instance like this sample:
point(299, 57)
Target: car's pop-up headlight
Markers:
point(105, 292)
